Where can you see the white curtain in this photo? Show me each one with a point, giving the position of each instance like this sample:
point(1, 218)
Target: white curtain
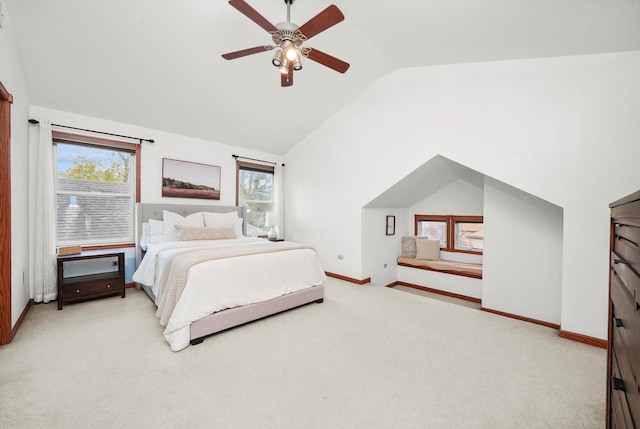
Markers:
point(42, 232)
point(278, 197)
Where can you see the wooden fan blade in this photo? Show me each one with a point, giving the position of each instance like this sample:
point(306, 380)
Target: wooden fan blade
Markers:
point(287, 79)
point(252, 14)
point(245, 52)
point(325, 19)
point(328, 60)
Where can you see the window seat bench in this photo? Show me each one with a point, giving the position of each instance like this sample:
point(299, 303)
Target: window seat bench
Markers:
point(444, 266)
point(463, 279)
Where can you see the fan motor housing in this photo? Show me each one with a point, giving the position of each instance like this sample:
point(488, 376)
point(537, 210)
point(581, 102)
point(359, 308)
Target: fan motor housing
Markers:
point(287, 31)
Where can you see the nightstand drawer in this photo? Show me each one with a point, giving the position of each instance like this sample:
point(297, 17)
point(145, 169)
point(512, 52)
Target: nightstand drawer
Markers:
point(93, 289)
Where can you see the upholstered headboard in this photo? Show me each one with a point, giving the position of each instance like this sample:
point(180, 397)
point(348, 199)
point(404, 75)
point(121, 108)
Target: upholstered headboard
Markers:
point(146, 211)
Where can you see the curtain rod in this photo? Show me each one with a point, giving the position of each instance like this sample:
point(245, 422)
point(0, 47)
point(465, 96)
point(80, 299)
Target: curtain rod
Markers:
point(35, 121)
point(253, 159)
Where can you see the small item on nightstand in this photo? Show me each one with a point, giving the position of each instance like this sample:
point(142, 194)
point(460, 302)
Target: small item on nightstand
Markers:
point(70, 250)
point(272, 219)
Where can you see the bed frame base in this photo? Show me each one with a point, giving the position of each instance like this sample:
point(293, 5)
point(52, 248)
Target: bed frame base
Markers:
point(226, 319)
point(232, 317)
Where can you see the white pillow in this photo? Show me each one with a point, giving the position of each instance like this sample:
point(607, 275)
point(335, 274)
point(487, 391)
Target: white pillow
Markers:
point(156, 231)
point(428, 250)
point(171, 219)
point(223, 220)
point(238, 227)
point(145, 236)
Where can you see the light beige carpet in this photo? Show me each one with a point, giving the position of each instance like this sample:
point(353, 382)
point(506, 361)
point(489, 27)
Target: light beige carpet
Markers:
point(368, 357)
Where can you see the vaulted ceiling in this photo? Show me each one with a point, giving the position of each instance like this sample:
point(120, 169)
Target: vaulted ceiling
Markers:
point(157, 63)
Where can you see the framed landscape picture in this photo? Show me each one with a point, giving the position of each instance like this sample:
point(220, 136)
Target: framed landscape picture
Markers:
point(186, 179)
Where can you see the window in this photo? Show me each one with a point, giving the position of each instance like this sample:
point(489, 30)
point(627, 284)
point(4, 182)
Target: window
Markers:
point(96, 190)
point(255, 192)
point(434, 228)
point(468, 233)
point(455, 233)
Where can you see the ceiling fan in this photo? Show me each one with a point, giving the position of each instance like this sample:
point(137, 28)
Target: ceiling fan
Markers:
point(288, 39)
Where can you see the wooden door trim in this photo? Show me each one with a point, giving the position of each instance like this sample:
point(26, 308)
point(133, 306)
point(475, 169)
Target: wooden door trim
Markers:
point(4, 94)
point(6, 99)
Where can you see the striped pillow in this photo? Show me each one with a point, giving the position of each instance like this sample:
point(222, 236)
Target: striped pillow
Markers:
point(186, 233)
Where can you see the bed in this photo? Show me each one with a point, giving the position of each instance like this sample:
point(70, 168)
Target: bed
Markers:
point(222, 281)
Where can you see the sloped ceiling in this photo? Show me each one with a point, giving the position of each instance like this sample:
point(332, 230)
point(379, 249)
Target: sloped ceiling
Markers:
point(157, 63)
point(429, 178)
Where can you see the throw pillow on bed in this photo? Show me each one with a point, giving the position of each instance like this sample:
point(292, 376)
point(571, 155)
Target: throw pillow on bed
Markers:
point(171, 219)
point(184, 233)
point(428, 249)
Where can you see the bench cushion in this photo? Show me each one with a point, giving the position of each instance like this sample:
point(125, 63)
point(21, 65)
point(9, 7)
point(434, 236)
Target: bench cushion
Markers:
point(444, 265)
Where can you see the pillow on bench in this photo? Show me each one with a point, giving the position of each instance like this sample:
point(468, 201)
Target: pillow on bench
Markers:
point(409, 246)
point(428, 250)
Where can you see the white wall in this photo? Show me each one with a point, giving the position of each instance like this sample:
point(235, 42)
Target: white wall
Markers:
point(522, 255)
point(459, 285)
point(562, 129)
point(457, 198)
point(11, 77)
point(166, 145)
point(380, 249)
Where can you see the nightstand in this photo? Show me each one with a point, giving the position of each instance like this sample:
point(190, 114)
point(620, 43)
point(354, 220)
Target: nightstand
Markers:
point(98, 284)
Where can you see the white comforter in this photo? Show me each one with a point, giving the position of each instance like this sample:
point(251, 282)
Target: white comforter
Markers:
point(230, 282)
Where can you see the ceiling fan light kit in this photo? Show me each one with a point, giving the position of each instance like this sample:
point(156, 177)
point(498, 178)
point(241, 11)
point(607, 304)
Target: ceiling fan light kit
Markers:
point(288, 39)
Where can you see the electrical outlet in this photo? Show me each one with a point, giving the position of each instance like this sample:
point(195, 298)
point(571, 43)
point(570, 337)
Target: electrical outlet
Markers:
point(340, 257)
point(385, 265)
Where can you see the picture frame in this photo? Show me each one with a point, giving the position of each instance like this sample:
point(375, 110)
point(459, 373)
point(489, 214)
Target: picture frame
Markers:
point(391, 225)
point(185, 179)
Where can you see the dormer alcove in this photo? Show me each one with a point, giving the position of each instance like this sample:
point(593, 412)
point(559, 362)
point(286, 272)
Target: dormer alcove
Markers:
point(522, 258)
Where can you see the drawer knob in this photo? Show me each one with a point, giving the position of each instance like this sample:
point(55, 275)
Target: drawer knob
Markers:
point(617, 384)
point(77, 290)
point(108, 286)
point(617, 322)
point(619, 261)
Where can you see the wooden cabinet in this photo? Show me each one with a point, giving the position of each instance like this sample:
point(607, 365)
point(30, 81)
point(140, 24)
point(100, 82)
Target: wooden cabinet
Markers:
point(623, 391)
point(106, 281)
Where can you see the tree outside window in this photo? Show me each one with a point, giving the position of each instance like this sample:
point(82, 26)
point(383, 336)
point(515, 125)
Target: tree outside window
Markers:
point(255, 192)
